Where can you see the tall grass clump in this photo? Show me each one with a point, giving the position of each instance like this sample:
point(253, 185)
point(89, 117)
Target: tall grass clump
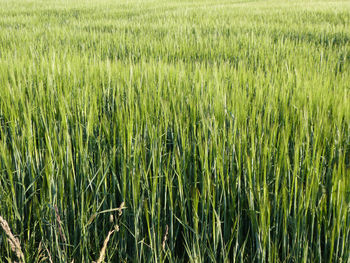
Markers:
point(175, 131)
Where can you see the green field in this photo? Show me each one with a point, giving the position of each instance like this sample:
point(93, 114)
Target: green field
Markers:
point(220, 128)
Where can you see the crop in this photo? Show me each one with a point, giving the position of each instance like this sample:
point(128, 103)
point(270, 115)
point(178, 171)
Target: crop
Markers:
point(175, 131)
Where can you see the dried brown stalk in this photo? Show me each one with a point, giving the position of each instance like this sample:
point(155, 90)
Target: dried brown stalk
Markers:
point(13, 241)
point(58, 218)
point(165, 236)
point(48, 254)
point(103, 250)
point(116, 228)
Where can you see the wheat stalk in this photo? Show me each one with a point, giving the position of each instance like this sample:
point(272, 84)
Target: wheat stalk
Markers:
point(13, 241)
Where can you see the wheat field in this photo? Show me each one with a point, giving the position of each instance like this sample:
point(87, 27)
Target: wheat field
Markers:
point(174, 131)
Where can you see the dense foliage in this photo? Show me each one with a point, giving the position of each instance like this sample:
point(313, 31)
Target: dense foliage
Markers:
point(223, 126)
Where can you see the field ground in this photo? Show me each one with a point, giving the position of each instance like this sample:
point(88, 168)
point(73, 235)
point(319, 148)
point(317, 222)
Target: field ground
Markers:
point(220, 128)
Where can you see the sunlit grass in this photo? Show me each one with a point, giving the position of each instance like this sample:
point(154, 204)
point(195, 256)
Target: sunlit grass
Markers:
point(223, 126)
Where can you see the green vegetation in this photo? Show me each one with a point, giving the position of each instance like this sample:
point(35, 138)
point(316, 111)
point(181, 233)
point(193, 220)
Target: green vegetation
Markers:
point(223, 126)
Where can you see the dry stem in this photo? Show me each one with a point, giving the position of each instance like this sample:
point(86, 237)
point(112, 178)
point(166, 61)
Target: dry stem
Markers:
point(13, 241)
